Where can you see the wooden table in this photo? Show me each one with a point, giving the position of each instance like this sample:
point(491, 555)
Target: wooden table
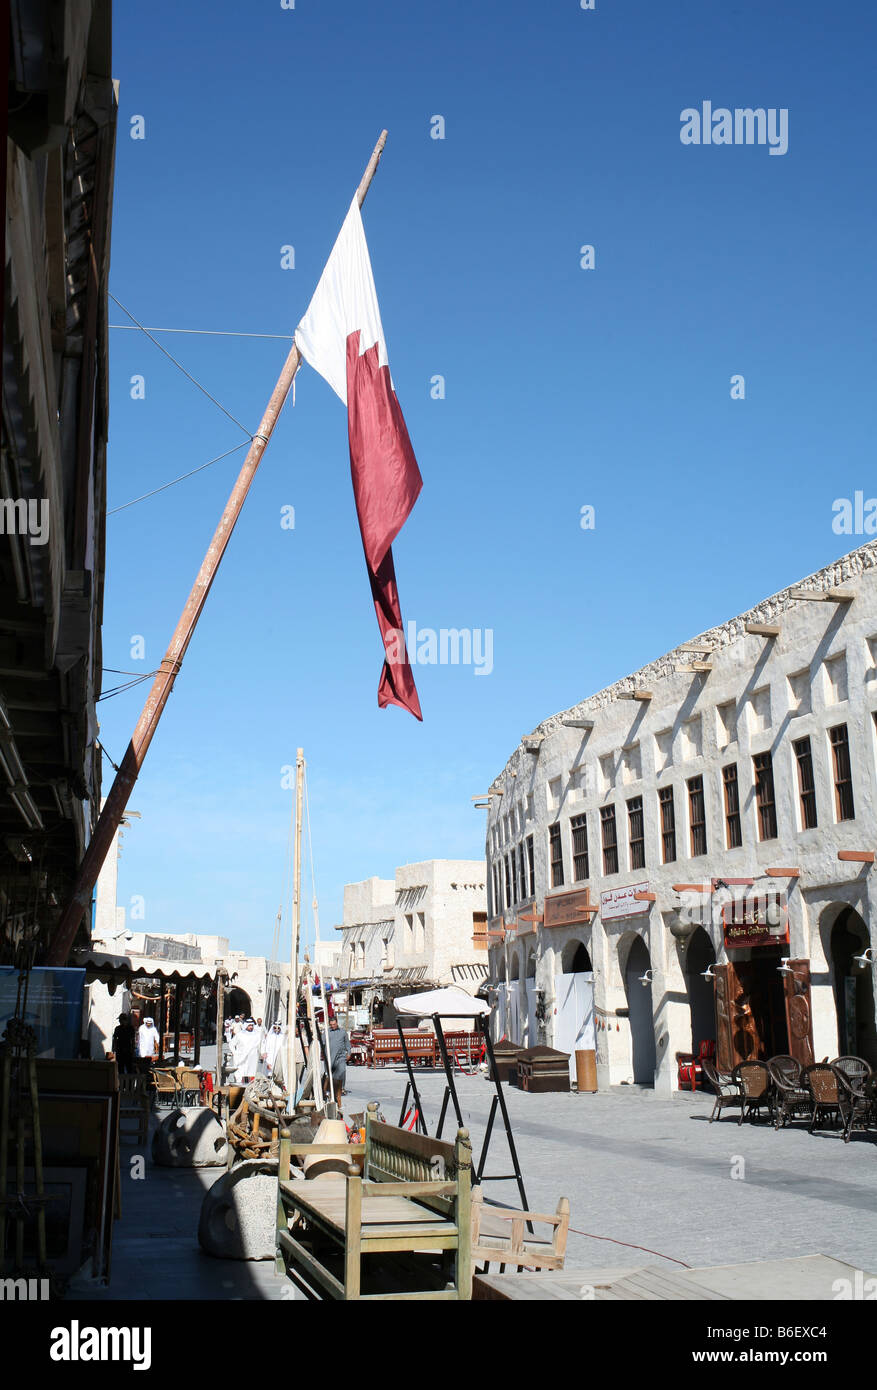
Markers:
point(389, 1220)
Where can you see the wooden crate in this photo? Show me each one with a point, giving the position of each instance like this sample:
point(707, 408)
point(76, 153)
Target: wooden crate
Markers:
point(543, 1069)
point(506, 1056)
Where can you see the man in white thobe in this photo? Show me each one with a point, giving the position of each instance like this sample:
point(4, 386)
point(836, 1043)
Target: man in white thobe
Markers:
point(147, 1041)
point(245, 1052)
point(273, 1044)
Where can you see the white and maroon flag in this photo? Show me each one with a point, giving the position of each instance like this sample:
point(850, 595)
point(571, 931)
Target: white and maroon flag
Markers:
point(342, 339)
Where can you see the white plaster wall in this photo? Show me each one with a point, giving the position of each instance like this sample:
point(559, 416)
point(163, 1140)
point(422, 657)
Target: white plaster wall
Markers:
point(368, 920)
point(565, 777)
point(448, 892)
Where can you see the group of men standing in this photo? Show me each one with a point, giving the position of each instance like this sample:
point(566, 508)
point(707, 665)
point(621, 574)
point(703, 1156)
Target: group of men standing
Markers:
point(255, 1052)
point(253, 1048)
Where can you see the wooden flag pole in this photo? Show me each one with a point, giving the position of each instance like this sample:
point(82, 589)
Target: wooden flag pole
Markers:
point(292, 998)
point(123, 784)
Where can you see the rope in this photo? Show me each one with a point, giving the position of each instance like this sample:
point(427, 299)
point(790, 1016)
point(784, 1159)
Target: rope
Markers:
point(181, 368)
point(182, 478)
point(114, 766)
point(205, 332)
point(127, 685)
point(628, 1246)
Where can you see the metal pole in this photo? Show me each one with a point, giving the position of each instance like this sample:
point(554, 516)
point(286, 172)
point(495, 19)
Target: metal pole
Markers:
point(485, 1028)
point(220, 1022)
point(415, 1094)
point(487, 1133)
point(449, 1071)
point(123, 785)
point(196, 1043)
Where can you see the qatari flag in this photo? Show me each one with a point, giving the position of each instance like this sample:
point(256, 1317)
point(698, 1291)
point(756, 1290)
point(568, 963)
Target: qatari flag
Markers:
point(342, 338)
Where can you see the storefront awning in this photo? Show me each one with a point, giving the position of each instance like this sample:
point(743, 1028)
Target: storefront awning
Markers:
point(113, 971)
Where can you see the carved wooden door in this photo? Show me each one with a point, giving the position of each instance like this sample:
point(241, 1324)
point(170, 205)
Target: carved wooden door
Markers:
point(799, 1014)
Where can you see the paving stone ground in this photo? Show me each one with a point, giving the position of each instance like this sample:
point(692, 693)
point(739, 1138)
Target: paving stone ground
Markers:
point(651, 1171)
point(637, 1168)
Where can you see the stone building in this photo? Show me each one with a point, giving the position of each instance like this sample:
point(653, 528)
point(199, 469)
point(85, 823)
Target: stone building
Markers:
point(53, 437)
point(696, 843)
point(426, 927)
point(253, 984)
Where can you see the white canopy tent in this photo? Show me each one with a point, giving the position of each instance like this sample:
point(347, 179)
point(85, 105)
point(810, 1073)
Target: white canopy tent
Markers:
point(451, 1002)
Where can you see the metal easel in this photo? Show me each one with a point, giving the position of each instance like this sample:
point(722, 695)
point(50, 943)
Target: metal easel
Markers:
point(411, 1089)
point(498, 1102)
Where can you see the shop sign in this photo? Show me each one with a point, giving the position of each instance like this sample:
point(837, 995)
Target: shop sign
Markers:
point(756, 921)
point(621, 902)
point(569, 909)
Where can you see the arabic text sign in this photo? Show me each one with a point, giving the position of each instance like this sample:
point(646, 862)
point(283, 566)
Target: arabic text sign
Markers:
point(620, 902)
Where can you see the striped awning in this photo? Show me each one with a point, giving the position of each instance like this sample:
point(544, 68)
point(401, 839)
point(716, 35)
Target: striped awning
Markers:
point(113, 971)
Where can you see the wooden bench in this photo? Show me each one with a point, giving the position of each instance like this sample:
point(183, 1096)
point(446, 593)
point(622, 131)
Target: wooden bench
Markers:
point(414, 1195)
point(465, 1049)
point(388, 1047)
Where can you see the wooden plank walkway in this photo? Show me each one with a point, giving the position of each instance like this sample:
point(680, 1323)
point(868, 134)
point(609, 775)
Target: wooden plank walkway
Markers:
point(799, 1278)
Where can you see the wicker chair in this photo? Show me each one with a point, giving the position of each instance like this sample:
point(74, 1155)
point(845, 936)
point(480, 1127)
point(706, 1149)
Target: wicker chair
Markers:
point(166, 1087)
point(789, 1067)
point(822, 1082)
point(856, 1103)
point(190, 1086)
point(756, 1084)
point(791, 1097)
point(729, 1092)
point(855, 1069)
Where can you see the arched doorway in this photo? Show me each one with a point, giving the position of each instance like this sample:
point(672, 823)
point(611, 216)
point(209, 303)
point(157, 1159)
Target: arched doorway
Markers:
point(699, 956)
point(575, 959)
point(853, 988)
point(638, 988)
point(236, 1001)
point(514, 1024)
point(574, 1002)
point(529, 1020)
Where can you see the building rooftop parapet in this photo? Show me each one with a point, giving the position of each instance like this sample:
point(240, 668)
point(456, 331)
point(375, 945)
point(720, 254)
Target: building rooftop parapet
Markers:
point(838, 576)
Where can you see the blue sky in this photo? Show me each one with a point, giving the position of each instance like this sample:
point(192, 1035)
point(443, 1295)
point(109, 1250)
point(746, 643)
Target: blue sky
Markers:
point(564, 387)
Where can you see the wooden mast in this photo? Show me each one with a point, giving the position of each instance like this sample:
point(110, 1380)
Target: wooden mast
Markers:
point(123, 784)
point(292, 998)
